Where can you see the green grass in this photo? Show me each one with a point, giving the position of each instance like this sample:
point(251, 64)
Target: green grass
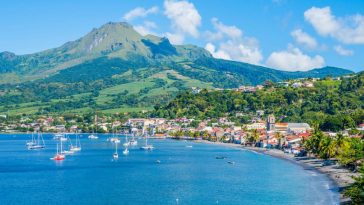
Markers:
point(133, 87)
point(127, 109)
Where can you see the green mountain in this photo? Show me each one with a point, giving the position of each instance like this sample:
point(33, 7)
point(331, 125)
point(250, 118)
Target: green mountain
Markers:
point(114, 68)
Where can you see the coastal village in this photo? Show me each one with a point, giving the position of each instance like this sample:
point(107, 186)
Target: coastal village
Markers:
point(263, 130)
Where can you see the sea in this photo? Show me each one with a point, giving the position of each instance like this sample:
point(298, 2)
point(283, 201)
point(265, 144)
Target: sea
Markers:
point(175, 172)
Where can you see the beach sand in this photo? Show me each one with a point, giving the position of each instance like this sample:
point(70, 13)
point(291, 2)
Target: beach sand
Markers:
point(341, 177)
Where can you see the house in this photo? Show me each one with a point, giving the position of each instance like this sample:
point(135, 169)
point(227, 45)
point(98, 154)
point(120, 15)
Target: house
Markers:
point(256, 126)
point(260, 112)
point(195, 90)
point(296, 84)
point(308, 84)
point(281, 127)
point(293, 141)
point(60, 128)
point(298, 127)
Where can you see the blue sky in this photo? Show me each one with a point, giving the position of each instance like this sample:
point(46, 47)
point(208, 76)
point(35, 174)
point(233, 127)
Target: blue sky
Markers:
point(288, 35)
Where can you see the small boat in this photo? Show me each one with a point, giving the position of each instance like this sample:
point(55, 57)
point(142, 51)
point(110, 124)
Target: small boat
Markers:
point(133, 142)
point(114, 140)
point(59, 156)
point(93, 137)
point(66, 152)
point(126, 151)
point(231, 162)
point(60, 137)
point(127, 143)
point(158, 161)
point(32, 142)
point(147, 146)
point(37, 144)
point(221, 157)
point(189, 146)
point(77, 147)
point(116, 155)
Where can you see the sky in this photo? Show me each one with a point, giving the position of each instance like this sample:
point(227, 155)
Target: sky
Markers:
point(283, 34)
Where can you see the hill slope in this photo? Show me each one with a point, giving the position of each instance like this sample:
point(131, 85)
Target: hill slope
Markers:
point(114, 68)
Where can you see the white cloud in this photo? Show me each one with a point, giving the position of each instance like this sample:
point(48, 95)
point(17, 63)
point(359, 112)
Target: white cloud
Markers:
point(303, 38)
point(175, 38)
point(223, 30)
point(184, 18)
point(146, 28)
point(293, 59)
point(343, 51)
point(140, 12)
point(232, 44)
point(348, 30)
point(217, 54)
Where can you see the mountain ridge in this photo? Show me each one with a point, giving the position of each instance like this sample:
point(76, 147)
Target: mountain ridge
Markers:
point(114, 69)
point(114, 40)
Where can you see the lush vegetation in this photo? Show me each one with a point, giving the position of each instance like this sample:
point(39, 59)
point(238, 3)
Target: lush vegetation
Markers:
point(348, 151)
point(334, 106)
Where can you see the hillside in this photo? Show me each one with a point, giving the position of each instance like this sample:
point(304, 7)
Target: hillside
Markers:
point(114, 68)
point(334, 105)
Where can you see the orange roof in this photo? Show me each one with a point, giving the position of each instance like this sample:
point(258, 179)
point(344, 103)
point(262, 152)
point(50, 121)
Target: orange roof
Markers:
point(292, 137)
point(282, 124)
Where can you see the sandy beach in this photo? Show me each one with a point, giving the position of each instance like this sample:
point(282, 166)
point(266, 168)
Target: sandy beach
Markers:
point(341, 177)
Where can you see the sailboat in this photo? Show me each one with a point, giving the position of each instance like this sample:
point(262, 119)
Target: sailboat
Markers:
point(59, 156)
point(116, 155)
point(133, 142)
point(126, 144)
point(92, 136)
point(77, 147)
point(38, 144)
point(60, 137)
point(147, 146)
point(32, 142)
point(68, 151)
point(114, 139)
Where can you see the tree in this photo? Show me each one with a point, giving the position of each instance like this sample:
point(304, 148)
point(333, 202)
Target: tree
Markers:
point(356, 191)
point(279, 137)
point(351, 154)
point(327, 147)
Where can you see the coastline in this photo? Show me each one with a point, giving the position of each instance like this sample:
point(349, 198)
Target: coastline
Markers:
point(340, 177)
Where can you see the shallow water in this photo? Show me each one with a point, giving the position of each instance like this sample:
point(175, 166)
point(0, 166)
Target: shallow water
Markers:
point(184, 176)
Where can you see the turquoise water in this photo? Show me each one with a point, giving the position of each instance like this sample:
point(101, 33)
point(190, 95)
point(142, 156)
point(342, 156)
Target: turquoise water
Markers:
point(184, 176)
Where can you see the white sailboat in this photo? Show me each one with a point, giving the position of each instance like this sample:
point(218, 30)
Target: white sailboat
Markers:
point(93, 136)
point(32, 142)
point(126, 144)
point(60, 137)
point(67, 151)
point(147, 146)
point(116, 155)
point(77, 146)
point(114, 139)
point(133, 141)
point(39, 144)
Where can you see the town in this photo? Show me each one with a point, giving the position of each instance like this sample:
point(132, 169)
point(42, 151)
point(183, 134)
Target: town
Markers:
point(262, 131)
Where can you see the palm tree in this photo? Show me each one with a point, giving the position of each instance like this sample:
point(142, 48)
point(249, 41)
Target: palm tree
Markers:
point(327, 147)
point(279, 137)
point(255, 136)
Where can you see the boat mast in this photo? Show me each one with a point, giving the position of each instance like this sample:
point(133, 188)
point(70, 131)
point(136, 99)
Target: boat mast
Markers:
point(42, 139)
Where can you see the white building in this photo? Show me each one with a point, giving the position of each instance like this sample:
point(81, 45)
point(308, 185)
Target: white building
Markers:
point(256, 126)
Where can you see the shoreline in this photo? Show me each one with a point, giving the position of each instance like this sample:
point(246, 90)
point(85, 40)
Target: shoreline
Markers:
point(340, 177)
